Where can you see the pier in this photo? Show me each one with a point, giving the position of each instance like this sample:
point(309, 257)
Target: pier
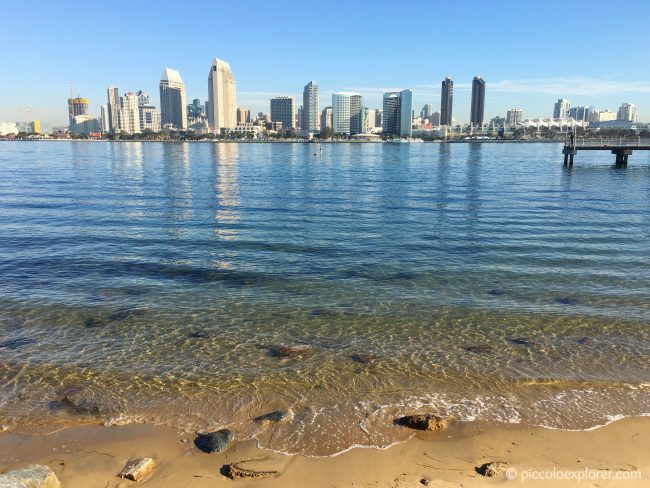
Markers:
point(620, 147)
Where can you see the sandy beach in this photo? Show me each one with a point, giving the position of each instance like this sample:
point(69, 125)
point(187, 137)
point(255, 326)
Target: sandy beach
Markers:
point(92, 456)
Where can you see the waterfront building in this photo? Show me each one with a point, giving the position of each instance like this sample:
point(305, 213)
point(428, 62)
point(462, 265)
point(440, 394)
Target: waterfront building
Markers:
point(426, 111)
point(310, 121)
point(173, 109)
point(104, 125)
point(222, 97)
point(77, 106)
point(243, 115)
point(129, 113)
point(84, 124)
point(143, 98)
point(434, 119)
point(446, 101)
point(298, 121)
point(561, 109)
point(398, 113)
point(347, 113)
point(627, 112)
point(326, 118)
point(602, 116)
point(379, 117)
point(514, 116)
point(7, 128)
point(113, 109)
point(195, 110)
point(150, 118)
point(283, 109)
point(477, 112)
point(580, 114)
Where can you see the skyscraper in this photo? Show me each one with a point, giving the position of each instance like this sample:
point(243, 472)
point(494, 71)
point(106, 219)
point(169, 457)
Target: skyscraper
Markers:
point(478, 101)
point(561, 109)
point(347, 113)
point(398, 111)
point(104, 124)
point(283, 109)
point(77, 106)
point(222, 97)
point(173, 107)
point(243, 115)
point(129, 113)
point(513, 116)
point(143, 98)
point(310, 117)
point(113, 109)
point(326, 118)
point(446, 101)
point(627, 112)
point(426, 111)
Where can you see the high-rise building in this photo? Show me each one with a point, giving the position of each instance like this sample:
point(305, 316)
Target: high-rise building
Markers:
point(580, 114)
point(195, 110)
point(514, 116)
point(326, 118)
point(398, 113)
point(283, 109)
point(143, 98)
point(434, 119)
point(602, 116)
point(77, 106)
point(299, 117)
point(113, 109)
point(446, 101)
point(243, 115)
point(310, 120)
point(129, 113)
point(347, 113)
point(478, 101)
point(173, 109)
point(561, 109)
point(150, 118)
point(222, 97)
point(426, 111)
point(627, 112)
point(379, 117)
point(104, 124)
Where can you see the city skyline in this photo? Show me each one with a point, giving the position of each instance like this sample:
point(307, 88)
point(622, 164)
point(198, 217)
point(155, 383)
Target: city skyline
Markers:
point(519, 73)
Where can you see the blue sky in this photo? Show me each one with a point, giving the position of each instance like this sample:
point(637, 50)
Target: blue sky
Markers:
point(530, 53)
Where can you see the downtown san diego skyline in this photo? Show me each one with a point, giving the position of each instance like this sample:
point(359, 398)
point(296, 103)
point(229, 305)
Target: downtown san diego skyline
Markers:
point(273, 53)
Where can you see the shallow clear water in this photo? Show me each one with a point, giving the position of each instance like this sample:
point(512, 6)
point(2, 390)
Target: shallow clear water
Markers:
point(479, 280)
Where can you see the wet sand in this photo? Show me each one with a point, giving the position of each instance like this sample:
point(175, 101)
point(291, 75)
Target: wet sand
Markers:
point(91, 456)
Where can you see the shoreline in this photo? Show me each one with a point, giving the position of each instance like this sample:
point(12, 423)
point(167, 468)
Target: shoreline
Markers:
point(204, 141)
point(93, 455)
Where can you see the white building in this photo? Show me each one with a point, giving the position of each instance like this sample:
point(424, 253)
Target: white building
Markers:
point(113, 109)
point(150, 118)
point(173, 106)
point(84, 124)
point(104, 123)
point(222, 97)
point(602, 116)
point(326, 118)
point(310, 116)
point(347, 113)
point(8, 128)
point(561, 109)
point(129, 113)
point(627, 112)
point(514, 116)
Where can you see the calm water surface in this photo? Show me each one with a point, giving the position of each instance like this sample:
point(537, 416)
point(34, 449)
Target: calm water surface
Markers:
point(162, 280)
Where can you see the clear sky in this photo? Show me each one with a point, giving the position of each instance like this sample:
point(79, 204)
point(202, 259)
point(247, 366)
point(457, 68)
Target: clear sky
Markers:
point(529, 52)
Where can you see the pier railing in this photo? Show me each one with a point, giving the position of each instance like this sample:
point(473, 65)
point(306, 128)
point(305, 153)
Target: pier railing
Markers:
point(607, 142)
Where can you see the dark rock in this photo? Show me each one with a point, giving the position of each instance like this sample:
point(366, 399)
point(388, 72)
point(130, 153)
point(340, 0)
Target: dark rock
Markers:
point(94, 322)
point(321, 312)
point(428, 422)
point(520, 341)
point(566, 301)
point(492, 469)
point(297, 351)
point(363, 358)
point(81, 402)
point(584, 341)
point(14, 344)
point(275, 416)
point(479, 349)
point(496, 292)
point(236, 471)
point(199, 334)
point(214, 441)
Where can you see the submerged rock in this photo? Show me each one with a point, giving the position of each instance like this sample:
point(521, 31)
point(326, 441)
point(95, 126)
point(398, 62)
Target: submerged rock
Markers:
point(296, 351)
point(491, 469)
point(33, 476)
point(566, 301)
point(125, 314)
point(428, 422)
point(81, 402)
point(199, 334)
point(584, 341)
point(275, 416)
point(14, 344)
point(214, 441)
point(479, 349)
point(363, 358)
point(236, 471)
point(520, 341)
point(137, 469)
point(94, 322)
point(495, 292)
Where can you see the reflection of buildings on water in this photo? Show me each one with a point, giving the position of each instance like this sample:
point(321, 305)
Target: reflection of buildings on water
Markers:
point(178, 182)
point(226, 160)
